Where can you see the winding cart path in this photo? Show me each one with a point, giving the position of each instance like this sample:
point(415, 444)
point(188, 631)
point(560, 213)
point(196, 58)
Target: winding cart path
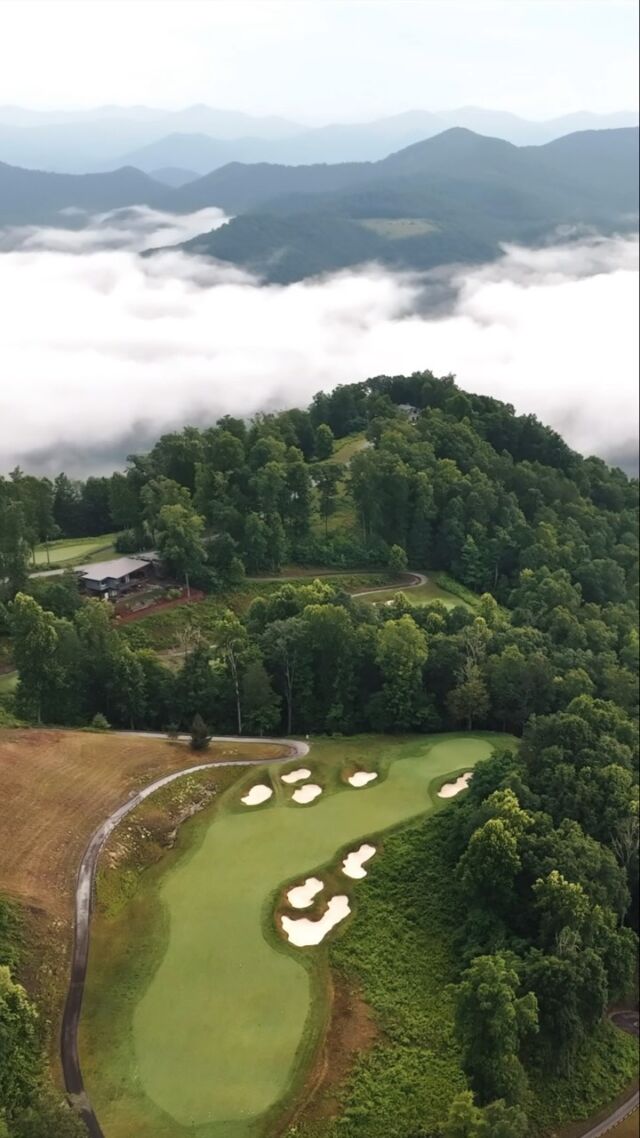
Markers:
point(73, 1080)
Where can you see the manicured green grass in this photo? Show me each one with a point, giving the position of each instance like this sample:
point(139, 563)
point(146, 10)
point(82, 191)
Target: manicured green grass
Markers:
point(74, 551)
point(421, 595)
point(205, 1018)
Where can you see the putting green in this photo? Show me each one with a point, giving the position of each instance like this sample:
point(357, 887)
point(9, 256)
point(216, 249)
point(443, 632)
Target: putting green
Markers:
point(217, 1031)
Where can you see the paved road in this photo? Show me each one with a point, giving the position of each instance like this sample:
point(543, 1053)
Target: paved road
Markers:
point(627, 1020)
point(416, 580)
point(617, 1116)
point(84, 903)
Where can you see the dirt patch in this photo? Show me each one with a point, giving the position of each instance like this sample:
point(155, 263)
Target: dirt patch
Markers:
point(352, 1030)
point(159, 606)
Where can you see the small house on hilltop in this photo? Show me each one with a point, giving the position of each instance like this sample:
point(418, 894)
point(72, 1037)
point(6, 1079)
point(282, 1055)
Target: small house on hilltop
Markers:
point(113, 578)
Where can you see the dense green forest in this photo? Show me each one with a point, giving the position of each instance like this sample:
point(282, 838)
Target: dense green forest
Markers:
point(543, 848)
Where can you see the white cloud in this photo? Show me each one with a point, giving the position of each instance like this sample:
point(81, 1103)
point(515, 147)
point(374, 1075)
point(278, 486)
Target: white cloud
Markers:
point(134, 228)
point(111, 346)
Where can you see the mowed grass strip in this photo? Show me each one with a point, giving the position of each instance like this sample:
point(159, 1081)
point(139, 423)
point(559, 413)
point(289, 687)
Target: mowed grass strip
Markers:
point(418, 595)
point(73, 550)
point(218, 1019)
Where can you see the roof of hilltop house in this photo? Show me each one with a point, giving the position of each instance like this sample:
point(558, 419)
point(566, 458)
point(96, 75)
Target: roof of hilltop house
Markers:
point(111, 570)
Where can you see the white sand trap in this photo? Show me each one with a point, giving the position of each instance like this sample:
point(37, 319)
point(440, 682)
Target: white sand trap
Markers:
point(450, 789)
point(306, 794)
point(301, 896)
point(296, 776)
point(256, 795)
point(361, 778)
point(303, 932)
point(353, 864)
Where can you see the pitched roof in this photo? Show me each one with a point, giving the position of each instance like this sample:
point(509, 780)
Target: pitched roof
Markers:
point(116, 569)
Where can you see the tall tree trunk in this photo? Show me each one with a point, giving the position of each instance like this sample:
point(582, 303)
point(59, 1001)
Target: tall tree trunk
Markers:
point(234, 673)
point(289, 700)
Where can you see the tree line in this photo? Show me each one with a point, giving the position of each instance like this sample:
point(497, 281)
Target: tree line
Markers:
point(543, 849)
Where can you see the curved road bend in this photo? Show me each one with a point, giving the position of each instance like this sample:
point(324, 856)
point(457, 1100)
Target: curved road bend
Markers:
point(84, 902)
point(417, 580)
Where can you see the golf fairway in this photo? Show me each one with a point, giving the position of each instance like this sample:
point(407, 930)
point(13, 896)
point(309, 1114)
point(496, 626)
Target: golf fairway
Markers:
point(214, 1034)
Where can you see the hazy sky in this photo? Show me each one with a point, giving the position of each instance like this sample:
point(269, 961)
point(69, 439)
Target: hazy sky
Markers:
point(316, 60)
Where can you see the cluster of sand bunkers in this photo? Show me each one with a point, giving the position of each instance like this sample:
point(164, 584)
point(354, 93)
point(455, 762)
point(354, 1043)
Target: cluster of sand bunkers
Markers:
point(305, 794)
point(302, 931)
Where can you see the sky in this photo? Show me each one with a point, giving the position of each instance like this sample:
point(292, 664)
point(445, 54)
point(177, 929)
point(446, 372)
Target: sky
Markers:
point(322, 60)
point(106, 350)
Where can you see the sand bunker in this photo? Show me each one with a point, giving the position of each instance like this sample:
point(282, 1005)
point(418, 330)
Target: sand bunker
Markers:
point(303, 932)
point(256, 795)
point(361, 778)
point(301, 896)
point(353, 864)
point(450, 789)
point(296, 776)
point(305, 794)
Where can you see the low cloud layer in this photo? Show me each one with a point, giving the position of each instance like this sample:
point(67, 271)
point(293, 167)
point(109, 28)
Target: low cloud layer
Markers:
point(102, 352)
point(133, 227)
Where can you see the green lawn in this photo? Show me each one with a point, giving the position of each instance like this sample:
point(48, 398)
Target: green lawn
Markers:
point(198, 1018)
point(75, 551)
point(421, 595)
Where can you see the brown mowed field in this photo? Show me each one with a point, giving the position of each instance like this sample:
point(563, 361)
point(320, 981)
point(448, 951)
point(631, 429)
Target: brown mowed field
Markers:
point(630, 1128)
point(56, 788)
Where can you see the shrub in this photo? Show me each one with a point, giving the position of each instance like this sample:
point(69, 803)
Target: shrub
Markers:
point(100, 722)
point(199, 734)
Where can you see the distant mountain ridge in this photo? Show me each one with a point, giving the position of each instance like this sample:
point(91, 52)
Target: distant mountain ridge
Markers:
point(455, 197)
point(37, 197)
point(202, 138)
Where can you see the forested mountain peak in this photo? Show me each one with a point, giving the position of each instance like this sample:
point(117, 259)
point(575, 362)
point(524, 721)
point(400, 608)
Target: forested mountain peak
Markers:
point(456, 197)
